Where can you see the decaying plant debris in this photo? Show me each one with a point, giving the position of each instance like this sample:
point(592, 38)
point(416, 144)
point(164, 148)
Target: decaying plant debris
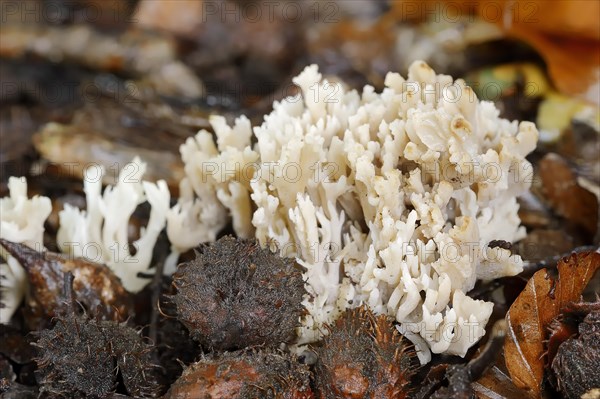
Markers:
point(105, 292)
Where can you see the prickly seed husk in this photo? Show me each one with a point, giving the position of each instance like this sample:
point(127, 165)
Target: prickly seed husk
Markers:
point(363, 357)
point(236, 294)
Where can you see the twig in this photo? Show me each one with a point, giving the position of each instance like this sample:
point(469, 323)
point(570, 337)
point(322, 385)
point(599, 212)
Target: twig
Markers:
point(529, 268)
point(156, 291)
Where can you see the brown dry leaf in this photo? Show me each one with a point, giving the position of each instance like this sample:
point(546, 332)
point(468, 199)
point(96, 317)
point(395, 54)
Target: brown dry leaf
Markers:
point(574, 72)
point(96, 287)
point(574, 18)
point(495, 384)
point(534, 309)
point(566, 34)
point(566, 197)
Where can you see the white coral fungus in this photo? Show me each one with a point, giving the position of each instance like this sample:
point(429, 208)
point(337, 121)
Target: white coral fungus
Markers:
point(388, 199)
point(201, 211)
point(100, 233)
point(21, 220)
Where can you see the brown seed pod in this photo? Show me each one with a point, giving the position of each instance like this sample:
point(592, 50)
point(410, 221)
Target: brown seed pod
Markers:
point(80, 356)
point(566, 324)
point(236, 294)
point(75, 357)
point(244, 375)
point(363, 356)
point(576, 364)
point(96, 287)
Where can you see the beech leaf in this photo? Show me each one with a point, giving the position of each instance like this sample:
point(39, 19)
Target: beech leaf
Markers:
point(566, 197)
point(533, 310)
point(96, 287)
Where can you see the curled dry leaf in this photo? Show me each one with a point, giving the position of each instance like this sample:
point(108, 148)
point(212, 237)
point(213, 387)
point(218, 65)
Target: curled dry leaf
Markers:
point(532, 312)
point(96, 287)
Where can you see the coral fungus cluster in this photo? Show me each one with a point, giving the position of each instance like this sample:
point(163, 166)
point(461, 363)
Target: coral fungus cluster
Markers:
point(387, 199)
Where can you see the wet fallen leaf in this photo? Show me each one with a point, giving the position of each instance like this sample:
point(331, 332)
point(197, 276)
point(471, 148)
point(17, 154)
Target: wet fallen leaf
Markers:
point(532, 212)
point(530, 315)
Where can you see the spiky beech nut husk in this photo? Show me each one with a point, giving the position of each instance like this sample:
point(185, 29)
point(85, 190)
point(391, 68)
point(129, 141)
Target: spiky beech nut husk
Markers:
point(75, 357)
point(139, 374)
point(81, 356)
point(576, 365)
point(566, 325)
point(95, 286)
point(85, 356)
point(236, 294)
point(363, 356)
point(245, 374)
